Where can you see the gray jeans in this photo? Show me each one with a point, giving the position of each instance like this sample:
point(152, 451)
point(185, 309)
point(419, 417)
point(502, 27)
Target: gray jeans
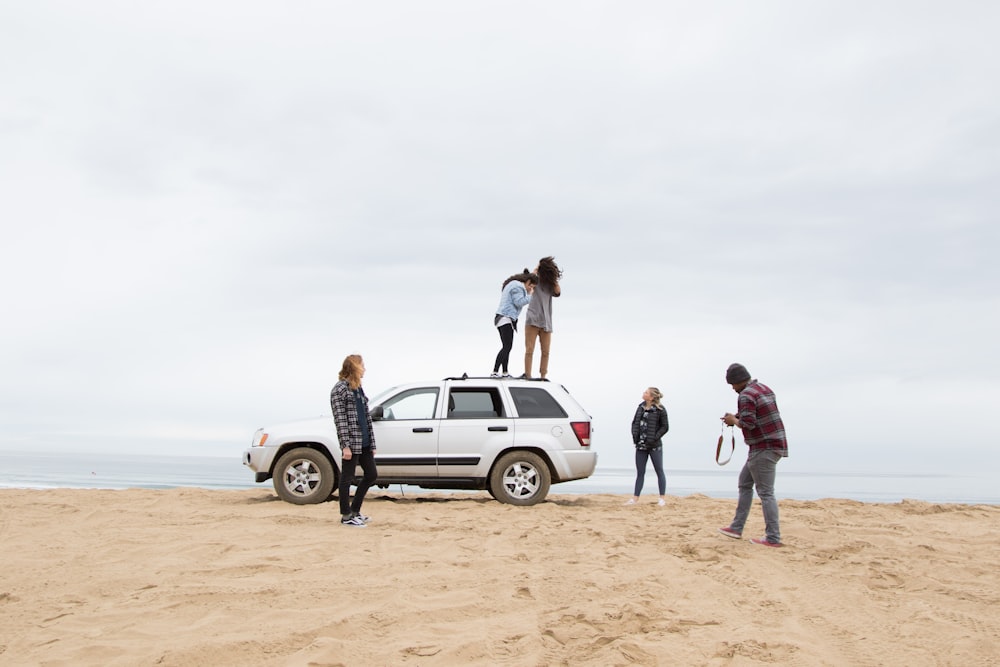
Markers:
point(759, 471)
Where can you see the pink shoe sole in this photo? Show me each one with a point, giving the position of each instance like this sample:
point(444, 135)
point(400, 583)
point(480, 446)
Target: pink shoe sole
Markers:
point(764, 543)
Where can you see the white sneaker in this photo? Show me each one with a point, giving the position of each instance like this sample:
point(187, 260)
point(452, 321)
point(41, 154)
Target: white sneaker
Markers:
point(661, 502)
point(630, 501)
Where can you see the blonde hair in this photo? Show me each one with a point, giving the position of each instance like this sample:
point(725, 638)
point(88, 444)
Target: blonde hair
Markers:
point(351, 370)
point(656, 394)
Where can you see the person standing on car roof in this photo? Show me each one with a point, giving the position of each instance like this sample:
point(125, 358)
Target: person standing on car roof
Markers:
point(357, 439)
point(515, 293)
point(538, 319)
point(649, 425)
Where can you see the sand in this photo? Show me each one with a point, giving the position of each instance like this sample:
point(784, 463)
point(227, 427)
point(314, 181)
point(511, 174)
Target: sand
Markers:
point(197, 577)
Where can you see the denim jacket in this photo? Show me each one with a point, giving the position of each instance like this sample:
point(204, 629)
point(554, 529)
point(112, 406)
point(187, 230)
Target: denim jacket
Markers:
point(513, 298)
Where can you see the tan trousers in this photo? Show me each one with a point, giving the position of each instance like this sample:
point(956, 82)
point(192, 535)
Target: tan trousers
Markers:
point(545, 338)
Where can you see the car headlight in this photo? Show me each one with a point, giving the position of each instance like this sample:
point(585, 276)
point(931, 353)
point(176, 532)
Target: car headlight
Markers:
point(259, 438)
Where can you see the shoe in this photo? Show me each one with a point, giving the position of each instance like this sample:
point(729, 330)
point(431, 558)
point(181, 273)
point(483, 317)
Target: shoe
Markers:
point(353, 521)
point(729, 532)
point(506, 375)
point(661, 502)
point(630, 501)
point(494, 374)
point(361, 516)
point(764, 543)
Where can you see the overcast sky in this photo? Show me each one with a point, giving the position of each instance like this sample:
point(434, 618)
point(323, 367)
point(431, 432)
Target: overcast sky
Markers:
point(207, 205)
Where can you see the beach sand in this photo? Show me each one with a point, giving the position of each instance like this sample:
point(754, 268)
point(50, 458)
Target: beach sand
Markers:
point(196, 577)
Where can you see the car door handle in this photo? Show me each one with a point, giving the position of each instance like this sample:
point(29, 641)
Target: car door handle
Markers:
point(496, 428)
point(423, 429)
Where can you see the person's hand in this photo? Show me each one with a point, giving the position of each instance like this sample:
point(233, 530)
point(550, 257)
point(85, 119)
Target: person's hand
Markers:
point(530, 288)
point(730, 419)
point(347, 453)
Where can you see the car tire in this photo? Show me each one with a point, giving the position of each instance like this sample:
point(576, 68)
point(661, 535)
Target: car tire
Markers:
point(304, 476)
point(520, 478)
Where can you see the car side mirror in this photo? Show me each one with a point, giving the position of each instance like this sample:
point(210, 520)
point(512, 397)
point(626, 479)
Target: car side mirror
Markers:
point(376, 413)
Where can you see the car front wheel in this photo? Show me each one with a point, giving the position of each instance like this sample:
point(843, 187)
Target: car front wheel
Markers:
point(303, 476)
point(520, 478)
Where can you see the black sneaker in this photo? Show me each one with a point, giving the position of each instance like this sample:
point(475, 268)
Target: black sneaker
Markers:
point(353, 521)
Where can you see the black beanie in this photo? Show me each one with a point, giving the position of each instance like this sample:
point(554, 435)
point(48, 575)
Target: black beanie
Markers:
point(737, 373)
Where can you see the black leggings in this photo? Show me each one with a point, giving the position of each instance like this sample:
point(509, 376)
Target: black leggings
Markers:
point(347, 469)
point(506, 342)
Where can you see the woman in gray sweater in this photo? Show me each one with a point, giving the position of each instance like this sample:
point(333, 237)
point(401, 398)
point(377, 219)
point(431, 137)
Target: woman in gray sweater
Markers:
point(538, 319)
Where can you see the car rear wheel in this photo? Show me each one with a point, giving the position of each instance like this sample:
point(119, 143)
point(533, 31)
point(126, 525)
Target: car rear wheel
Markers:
point(520, 478)
point(304, 476)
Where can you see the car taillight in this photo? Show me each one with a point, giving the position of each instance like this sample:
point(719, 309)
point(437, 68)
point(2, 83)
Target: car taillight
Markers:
point(582, 431)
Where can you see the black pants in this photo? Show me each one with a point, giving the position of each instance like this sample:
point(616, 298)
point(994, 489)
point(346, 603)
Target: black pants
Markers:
point(347, 468)
point(506, 343)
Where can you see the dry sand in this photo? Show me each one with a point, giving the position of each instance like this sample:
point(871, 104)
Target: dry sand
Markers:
point(195, 577)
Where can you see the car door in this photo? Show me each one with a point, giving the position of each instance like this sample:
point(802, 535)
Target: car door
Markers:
point(406, 436)
point(475, 427)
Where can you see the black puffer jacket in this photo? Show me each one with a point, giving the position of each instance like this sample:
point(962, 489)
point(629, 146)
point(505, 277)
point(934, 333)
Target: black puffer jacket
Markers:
point(656, 426)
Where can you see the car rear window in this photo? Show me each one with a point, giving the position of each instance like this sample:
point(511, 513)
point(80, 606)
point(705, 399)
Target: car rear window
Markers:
point(533, 402)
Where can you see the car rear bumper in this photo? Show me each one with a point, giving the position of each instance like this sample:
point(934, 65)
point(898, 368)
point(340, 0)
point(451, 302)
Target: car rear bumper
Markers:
point(575, 464)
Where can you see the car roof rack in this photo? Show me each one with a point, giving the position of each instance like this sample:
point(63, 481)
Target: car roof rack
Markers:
point(466, 376)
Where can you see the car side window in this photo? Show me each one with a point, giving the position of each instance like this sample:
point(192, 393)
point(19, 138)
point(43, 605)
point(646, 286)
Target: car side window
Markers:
point(411, 404)
point(534, 402)
point(475, 403)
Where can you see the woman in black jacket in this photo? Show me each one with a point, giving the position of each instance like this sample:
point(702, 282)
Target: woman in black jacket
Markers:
point(648, 428)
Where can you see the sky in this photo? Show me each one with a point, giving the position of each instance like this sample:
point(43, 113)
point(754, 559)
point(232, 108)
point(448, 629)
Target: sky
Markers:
point(207, 205)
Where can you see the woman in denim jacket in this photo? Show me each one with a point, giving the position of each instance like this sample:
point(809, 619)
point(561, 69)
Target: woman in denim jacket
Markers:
point(648, 428)
point(515, 293)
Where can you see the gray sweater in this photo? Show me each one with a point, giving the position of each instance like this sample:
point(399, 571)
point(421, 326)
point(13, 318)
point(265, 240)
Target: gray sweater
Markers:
point(539, 313)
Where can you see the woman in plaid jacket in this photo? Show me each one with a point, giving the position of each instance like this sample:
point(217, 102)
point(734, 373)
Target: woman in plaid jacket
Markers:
point(357, 439)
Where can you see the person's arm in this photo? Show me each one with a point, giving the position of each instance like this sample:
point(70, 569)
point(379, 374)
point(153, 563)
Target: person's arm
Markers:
point(371, 426)
point(635, 425)
point(520, 297)
point(747, 413)
point(664, 425)
point(338, 403)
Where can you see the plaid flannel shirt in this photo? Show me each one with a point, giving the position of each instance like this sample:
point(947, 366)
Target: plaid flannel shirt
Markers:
point(759, 418)
point(345, 416)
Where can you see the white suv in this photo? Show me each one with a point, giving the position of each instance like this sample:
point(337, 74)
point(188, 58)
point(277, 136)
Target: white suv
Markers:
point(512, 437)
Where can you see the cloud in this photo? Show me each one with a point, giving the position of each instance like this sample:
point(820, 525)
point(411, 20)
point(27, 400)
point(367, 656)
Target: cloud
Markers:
point(206, 209)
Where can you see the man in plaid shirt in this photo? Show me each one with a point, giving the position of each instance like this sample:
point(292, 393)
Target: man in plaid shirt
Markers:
point(764, 433)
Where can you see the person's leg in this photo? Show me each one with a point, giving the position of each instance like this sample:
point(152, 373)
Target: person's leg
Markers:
point(530, 334)
point(506, 343)
point(746, 498)
point(656, 456)
point(544, 340)
point(641, 456)
point(762, 467)
point(367, 462)
point(346, 477)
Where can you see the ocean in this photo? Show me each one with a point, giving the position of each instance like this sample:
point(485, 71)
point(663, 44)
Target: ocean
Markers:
point(48, 470)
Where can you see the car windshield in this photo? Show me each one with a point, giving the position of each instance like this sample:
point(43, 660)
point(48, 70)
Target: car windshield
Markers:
point(382, 395)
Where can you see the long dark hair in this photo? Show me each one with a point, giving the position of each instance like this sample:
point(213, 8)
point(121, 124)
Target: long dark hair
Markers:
point(548, 273)
point(525, 276)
